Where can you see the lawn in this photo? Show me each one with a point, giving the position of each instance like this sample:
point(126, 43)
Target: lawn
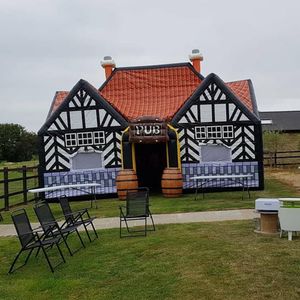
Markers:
point(186, 203)
point(223, 260)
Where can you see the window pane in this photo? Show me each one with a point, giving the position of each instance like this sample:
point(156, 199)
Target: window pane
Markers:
point(87, 160)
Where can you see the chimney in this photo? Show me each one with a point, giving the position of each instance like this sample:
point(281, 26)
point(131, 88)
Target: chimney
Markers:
point(108, 64)
point(196, 58)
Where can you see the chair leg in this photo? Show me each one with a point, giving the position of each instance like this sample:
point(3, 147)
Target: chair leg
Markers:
point(152, 221)
point(15, 260)
point(28, 256)
point(126, 224)
point(64, 240)
point(94, 229)
point(128, 230)
point(145, 226)
point(67, 245)
point(120, 227)
point(38, 251)
point(87, 232)
point(83, 245)
point(63, 258)
point(48, 260)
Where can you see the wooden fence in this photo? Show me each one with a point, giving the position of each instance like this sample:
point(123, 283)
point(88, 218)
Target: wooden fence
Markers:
point(282, 158)
point(14, 184)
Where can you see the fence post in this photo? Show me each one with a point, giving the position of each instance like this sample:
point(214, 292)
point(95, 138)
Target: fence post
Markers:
point(275, 159)
point(6, 190)
point(24, 171)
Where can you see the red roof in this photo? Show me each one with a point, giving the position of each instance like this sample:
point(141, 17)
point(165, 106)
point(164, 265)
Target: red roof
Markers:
point(158, 92)
point(242, 91)
point(58, 99)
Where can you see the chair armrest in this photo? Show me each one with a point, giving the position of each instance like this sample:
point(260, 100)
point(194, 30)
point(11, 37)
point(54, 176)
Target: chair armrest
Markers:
point(30, 232)
point(82, 211)
point(38, 229)
point(60, 218)
point(52, 225)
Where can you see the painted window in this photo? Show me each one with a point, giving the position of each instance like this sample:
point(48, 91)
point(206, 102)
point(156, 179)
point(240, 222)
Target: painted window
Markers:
point(200, 133)
point(214, 153)
point(99, 138)
point(87, 160)
point(84, 139)
point(70, 139)
point(214, 132)
point(227, 132)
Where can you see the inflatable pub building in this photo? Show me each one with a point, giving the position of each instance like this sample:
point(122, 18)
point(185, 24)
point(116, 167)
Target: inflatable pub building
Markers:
point(156, 126)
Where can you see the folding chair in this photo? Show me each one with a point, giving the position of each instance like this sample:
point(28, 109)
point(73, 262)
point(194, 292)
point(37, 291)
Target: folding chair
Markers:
point(51, 228)
point(137, 208)
point(77, 218)
point(31, 240)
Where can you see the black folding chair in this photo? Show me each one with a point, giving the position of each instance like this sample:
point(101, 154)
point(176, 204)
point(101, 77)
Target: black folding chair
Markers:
point(31, 240)
point(137, 208)
point(51, 228)
point(77, 218)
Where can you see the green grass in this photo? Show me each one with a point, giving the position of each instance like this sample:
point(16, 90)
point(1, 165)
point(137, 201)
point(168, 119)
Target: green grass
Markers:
point(29, 163)
point(186, 203)
point(224, 260)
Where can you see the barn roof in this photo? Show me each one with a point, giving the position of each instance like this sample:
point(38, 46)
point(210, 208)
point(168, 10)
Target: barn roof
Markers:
point(158, 91)
point(280, 120)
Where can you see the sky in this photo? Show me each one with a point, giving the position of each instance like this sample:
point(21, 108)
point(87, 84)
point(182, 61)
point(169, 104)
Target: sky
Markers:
point(47, 46)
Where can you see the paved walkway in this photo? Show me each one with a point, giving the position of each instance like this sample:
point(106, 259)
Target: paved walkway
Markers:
point(205, 216)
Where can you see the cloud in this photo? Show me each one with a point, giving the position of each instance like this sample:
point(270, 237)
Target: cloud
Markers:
point(50, 45)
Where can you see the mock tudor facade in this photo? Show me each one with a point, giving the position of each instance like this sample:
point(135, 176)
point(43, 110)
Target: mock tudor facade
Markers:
point(147, 119)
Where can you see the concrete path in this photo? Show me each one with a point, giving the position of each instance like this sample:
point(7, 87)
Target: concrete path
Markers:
point(193, 217)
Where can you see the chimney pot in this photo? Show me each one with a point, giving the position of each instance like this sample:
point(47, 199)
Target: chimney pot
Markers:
point(196, 58)
point(108, 64)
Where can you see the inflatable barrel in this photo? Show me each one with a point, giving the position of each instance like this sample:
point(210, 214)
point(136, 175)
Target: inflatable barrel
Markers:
point(126, 181)
point(171, 182)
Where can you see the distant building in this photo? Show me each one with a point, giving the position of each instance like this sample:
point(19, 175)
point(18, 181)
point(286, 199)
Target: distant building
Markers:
point(287, 121)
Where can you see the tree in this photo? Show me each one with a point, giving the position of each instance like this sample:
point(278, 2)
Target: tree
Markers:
point(16, 144)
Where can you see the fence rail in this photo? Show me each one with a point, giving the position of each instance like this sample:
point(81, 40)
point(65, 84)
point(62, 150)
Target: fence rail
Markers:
point(16, 182)
point(282, 158)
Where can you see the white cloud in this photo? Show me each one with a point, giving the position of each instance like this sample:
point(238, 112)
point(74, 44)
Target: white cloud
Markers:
point(50, 44)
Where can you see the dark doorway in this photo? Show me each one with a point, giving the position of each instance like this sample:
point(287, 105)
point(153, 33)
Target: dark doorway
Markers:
point(150, 162)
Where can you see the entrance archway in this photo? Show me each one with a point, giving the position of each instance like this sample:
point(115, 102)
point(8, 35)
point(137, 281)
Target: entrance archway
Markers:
point(150, 156)
point(151, 160)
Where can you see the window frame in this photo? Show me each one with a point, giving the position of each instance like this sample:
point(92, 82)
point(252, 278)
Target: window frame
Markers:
point(70, 137)
point(85, 138)
point(214, 132)
point(229, 132)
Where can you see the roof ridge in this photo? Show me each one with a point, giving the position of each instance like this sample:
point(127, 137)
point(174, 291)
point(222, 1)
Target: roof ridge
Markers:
point(160, 66)
point(279, 111)
point(238, 80)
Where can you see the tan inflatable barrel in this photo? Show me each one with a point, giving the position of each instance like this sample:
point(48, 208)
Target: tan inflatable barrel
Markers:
point(126, 181)
point(171, 183)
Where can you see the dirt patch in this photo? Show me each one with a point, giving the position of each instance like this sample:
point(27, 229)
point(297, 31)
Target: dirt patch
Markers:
point(289, 177)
